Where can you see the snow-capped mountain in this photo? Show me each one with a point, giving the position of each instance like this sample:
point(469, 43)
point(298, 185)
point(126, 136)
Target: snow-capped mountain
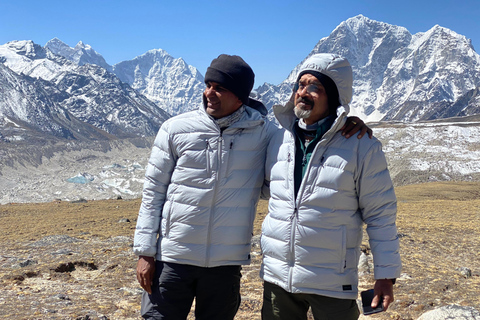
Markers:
point(30, 59)
point(88, 93)
point(20, 121)
point(81, 54)
point(52, 93)
point(98, 97)
point(171, 83)
point(397, 75)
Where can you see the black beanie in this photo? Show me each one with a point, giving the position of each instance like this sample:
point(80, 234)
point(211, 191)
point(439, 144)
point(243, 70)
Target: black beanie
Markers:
point(233, 73)
point(330, 89)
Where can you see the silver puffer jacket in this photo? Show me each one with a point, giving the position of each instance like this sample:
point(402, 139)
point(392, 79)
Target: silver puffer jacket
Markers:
point(311, 243)
point(201, 190)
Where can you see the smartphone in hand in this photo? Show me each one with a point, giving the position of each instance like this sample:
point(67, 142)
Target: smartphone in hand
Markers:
point(367, 297)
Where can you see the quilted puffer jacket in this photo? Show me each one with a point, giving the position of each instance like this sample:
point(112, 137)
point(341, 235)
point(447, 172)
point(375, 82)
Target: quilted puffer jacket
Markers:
point(311, 240)
point(311, 243)
point(201, 189)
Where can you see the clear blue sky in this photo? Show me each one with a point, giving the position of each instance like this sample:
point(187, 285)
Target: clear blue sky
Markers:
point(272, 36)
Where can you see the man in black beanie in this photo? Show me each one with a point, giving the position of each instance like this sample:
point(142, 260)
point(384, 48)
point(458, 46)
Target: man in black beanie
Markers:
point(233, 73)
point(202, 186)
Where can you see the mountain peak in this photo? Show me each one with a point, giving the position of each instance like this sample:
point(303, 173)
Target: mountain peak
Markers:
point(358, 17)
point(361, 22)
point(168, 81)
point(442, 30)
point(81, 54)
point(26, 48)
point(56, 45)
point(80, 45)
point(397, 75)
point(358, 20)
point(156, 53)
point(445, 39)
point(57, 42)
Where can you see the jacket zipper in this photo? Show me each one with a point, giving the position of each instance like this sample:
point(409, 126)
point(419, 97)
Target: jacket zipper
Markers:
point(234, 135)
point(212, 210)
point(293, 218)
point(217, 177)
point(343, 262)
point(304, 159)
point(207, 155)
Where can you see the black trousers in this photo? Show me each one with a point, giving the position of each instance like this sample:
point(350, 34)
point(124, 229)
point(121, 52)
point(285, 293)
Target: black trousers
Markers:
point(216, 292)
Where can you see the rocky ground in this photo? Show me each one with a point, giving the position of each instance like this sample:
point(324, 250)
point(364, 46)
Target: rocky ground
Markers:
point(73, 260)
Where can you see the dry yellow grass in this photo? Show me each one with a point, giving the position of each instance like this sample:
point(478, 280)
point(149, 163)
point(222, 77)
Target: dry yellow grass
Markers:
point(439, 224)
point(31, 221)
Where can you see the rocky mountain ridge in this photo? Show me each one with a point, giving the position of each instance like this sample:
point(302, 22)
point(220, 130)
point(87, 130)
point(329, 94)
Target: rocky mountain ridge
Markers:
point(399, 76)
point(48, 94)
point(169, 82)
point(81, 54)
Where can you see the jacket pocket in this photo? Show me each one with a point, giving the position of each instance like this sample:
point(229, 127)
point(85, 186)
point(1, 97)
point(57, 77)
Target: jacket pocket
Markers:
point(288, 163)
point(168, 214)
point(166, 230)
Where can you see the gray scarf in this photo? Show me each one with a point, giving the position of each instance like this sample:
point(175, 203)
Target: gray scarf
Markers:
point(227, 121)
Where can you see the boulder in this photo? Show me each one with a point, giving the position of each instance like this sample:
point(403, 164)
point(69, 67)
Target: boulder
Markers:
point(451, 312)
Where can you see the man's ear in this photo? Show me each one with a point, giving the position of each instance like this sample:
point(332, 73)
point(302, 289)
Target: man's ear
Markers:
point(240, 103)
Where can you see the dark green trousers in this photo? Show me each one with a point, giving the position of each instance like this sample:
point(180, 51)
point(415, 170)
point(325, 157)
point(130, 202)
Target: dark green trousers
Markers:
point(279, 304)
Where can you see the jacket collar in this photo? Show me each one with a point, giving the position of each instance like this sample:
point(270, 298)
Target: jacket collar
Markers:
point(251, 117)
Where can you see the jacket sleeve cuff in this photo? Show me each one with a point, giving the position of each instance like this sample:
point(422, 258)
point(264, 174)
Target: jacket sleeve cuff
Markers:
point(139, 251)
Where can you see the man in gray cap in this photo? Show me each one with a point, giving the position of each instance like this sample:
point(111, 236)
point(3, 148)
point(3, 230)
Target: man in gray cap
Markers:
point(202, 185)
point(323, 189)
